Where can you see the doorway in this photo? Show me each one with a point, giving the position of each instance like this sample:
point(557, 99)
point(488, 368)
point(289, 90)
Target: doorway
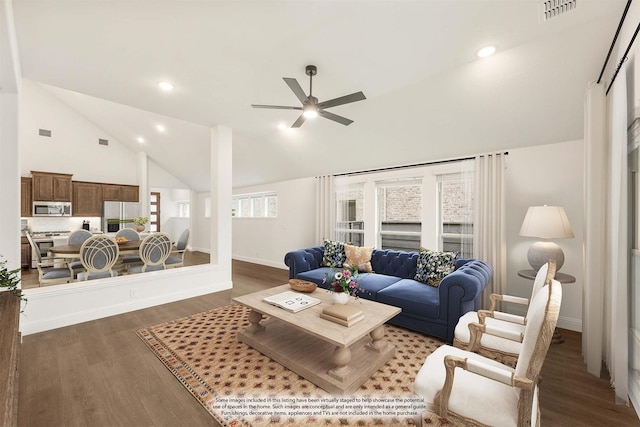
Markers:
point(154, 212)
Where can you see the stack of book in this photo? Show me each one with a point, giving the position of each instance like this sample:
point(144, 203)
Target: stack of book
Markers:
point(342, 314)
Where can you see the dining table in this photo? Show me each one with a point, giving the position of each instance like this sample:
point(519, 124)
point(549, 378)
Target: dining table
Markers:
point(73, 251)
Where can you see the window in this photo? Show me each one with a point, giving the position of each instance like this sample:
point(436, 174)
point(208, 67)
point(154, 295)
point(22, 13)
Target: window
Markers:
point(455, 213)
point(399, 206)
point(350, 214)
point(184, 209)
point(257, 205)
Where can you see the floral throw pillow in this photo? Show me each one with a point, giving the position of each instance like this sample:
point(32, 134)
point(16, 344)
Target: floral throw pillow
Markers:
point(334, 255)
point(433, 266)
point(358, 257)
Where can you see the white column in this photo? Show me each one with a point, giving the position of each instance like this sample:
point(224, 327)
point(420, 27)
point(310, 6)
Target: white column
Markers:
point(221, 178)
point(143, 182)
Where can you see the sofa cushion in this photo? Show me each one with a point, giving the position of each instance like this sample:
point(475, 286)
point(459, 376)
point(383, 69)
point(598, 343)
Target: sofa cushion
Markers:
point(358, 257)
point(316, 276)
point(334, 255)
point(370, 284)
point(433, 266)
point(413, 297)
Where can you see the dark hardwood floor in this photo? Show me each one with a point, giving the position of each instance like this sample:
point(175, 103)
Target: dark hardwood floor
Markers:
point(100, 373)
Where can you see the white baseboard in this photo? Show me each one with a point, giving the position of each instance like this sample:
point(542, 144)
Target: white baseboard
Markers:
point(634, 390)
point(259, 261)
point(205, 250)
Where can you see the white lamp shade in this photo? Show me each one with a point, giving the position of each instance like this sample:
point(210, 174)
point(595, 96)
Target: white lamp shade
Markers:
point(546, 222)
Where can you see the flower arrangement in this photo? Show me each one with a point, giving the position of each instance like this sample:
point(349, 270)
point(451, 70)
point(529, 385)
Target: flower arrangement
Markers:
point(141, 220)
point(9, 280)
point(343, 281)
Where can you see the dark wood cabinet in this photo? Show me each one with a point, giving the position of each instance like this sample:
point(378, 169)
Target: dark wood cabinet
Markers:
point(120, 193)
point(130, 193)
point(87, 198)
point(51, 187)
point(25, 252)
point(26, 198)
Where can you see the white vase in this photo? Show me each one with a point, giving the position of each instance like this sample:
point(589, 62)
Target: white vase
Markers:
point(340, 297)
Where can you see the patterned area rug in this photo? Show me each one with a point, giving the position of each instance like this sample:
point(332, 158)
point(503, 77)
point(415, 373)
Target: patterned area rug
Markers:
point(241, 387)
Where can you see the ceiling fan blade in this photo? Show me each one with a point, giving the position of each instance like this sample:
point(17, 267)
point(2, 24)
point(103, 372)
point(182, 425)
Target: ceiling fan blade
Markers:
point(277, 107)
point(335, 117)
point(298, 122)
point(358, 96)
point(296, 88)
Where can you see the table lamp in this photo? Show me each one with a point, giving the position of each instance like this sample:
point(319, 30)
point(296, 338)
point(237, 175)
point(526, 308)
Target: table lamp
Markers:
point(546, 222)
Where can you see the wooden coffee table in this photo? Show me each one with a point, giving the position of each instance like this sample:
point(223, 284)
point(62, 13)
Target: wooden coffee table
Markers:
point(334, 357)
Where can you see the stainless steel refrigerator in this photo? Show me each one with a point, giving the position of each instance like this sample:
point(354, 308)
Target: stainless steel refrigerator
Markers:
point(118, 211)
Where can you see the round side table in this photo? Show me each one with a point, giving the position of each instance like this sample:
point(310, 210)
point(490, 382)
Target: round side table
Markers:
point(560, 277)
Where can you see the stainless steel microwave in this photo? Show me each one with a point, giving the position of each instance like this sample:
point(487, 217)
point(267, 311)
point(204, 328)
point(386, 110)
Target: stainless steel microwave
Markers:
point(51, 208)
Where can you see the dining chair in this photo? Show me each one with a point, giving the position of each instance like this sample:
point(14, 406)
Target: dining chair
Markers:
point(495, 334)
point(177, 260)
point(468, 389)
point(78, 237)
point(48, 274)
point(131, 235)
point(154, 250)
point(98, 255)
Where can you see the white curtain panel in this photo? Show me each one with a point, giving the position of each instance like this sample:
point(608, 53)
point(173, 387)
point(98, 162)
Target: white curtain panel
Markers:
point(325, 219)
point(594, 252)
point(489, 235)
point(617, 283)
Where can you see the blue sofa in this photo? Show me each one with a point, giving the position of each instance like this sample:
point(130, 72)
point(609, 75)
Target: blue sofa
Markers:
point(433, 311)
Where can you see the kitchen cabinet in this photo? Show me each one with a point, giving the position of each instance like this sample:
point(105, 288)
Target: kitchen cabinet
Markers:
point(25, 252)
point(120, 193)
point(26, 198)
point(87, 198)
point(51, 187)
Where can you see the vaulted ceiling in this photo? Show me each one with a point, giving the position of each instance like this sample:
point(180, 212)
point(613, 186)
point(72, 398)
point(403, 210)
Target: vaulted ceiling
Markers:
point(428, 96)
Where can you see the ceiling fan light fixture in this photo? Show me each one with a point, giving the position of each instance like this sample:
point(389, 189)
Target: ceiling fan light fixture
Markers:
point(165, 86)
point(310, 111)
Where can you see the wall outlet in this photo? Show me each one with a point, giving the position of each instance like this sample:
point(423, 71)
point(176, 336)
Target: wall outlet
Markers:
point(133, 293)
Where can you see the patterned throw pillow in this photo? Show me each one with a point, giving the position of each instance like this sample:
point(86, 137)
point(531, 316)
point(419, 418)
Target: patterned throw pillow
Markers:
point(333, 253)
point(360, 257)
point(433, 266)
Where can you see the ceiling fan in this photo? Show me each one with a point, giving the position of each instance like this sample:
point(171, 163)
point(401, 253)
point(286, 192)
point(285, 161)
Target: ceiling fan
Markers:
point(310, 105)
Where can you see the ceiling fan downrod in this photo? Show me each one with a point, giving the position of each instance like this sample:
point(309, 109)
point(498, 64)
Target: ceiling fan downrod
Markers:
point(311, 70)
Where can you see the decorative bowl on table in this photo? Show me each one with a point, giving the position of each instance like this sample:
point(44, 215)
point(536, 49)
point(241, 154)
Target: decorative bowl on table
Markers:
point(302, 285)
point(121, 240)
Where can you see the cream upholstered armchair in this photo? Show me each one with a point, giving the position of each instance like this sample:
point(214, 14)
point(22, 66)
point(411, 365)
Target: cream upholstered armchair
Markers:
point(495, 334)
point(469, 389)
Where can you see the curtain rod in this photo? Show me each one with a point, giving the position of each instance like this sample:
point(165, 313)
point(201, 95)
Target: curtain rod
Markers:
point(415, 165)
point(615, 38)
point(623, 60)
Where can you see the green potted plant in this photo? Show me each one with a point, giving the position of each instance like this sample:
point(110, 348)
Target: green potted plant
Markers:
point(9, 280)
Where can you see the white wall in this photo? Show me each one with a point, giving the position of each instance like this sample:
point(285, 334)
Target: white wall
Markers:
point(546, 175)
point(170, 223)
point(73, 147)
point(267, 240)
point(200, 240)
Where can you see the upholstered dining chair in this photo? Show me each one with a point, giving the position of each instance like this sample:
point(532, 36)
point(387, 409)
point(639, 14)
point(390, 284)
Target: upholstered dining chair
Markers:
point(495, 334)
point(469, 389)
point(177, 260)
point(154, 250)
point(133, 236)
point(77, 237)
point(48, 274)
point(98, 255)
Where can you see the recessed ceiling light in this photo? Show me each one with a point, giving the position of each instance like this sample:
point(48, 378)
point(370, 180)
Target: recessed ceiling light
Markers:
point(165, 86)
point(486, 51)
point(160, 128)
point(282, 126)
point(140, 140)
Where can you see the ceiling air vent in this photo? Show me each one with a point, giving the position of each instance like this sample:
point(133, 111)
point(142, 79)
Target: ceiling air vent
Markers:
point(553, 8)
point(44, 132)
point(103, 141)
